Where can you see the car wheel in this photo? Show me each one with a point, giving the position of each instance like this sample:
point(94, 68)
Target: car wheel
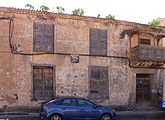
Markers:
point(105, 117)
point(55, 117)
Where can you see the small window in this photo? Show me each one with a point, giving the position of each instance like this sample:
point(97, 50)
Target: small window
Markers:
point(145, 41)
point(95, 74)
point(85, 103)
point(69, 102)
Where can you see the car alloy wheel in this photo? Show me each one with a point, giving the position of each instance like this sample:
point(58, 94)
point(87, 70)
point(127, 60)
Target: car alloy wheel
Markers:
point(55, 117)
point(106, 117)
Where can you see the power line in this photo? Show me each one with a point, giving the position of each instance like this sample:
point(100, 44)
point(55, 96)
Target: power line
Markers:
point(11, 28)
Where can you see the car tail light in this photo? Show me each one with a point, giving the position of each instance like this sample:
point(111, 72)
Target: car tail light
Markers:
point(50, 101)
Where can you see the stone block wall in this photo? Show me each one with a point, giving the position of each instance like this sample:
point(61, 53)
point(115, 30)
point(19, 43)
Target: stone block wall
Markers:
point(71, 36)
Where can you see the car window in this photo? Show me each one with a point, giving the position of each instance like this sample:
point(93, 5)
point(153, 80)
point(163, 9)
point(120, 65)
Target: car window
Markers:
point(69, 102)
point(58, 102)
point(85, 103)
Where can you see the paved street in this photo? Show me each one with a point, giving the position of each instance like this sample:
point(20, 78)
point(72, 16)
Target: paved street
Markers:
point(126, 115)
point(20, 118)
point(158, 115)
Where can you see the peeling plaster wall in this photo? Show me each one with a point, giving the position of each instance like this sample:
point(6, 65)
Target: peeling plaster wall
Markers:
point(71, 36)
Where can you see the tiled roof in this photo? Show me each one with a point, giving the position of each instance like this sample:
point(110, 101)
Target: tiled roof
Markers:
point(66, 16)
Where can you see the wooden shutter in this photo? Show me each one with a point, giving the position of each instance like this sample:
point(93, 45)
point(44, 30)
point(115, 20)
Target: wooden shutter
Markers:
point(99, 85)
point(43, 37)
point(43, 82)
point(98, 42)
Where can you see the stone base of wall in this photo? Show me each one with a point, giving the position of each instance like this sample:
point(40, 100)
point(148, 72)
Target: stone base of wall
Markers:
point(136, 107)
point(21, 109)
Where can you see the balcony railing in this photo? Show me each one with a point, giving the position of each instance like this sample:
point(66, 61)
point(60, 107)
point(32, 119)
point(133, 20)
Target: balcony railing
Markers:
point(147, 54)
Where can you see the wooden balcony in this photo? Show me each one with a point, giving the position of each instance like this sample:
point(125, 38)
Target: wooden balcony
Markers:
point(147, 56)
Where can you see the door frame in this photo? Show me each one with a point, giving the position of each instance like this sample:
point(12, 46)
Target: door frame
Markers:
point(146, 75)
point(54, 78)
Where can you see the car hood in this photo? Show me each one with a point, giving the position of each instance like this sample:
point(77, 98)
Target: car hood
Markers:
point(107, 108)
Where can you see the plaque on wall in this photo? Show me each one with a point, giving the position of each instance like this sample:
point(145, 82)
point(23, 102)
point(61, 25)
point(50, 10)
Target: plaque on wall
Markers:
point(74, 58)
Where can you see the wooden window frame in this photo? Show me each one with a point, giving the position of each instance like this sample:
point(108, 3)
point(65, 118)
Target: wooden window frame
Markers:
point(99, 39)
point(54, 79)
point(35, 37)
point(148, 40)
point(89, 81)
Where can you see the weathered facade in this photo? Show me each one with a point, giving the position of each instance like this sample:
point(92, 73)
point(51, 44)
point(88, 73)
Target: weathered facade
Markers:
point(44, 55)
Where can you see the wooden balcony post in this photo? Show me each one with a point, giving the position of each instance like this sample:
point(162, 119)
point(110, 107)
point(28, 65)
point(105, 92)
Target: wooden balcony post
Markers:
point(130, 42)
point(157, 42)
point(154, 39)
point(138, 38)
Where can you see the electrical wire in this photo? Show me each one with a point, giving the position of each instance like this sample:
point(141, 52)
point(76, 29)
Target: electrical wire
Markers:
point(11, 28)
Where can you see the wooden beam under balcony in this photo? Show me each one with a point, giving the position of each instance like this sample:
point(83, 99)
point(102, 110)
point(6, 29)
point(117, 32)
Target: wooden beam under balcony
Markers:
point(158, 33)
point(147, 56)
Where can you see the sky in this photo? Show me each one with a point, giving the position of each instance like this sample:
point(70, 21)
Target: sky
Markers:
point(140, 11)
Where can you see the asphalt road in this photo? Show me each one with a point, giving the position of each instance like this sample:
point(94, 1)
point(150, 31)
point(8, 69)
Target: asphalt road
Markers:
point(158, 115)
point(152, 115)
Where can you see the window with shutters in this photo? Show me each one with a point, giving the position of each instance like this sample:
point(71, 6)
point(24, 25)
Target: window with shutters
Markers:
point(43, 82)
point(43, 37)
point(98, 42)
point(99, 83)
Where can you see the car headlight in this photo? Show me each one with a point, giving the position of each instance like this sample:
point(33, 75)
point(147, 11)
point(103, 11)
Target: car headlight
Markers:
point(113, 110)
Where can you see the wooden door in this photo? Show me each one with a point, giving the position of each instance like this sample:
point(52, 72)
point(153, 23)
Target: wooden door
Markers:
point(143, 88)
point(43, 82)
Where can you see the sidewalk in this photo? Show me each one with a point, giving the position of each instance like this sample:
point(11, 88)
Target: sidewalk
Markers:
point(140, 115)
point(18, 113)
point(138, 112)
point(121, 113)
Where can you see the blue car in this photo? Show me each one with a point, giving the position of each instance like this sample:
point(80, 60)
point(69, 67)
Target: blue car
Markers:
point(74, 108)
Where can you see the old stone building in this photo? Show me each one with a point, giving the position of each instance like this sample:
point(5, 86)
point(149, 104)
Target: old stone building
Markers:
point(44, 55)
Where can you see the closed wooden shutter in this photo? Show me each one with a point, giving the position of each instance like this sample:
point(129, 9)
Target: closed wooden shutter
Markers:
point(43, 37)
point(98, 42)
point(99, 84)
point(43, 82)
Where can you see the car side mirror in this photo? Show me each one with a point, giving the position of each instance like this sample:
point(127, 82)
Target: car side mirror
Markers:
point(95, 107)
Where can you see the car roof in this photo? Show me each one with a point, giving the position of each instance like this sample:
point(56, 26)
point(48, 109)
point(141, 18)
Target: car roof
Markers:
point(60, 97)
point(68, 97)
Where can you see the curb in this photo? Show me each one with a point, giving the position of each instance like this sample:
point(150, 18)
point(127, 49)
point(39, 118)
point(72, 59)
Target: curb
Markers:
point(138, 112)
point(18, 113)
point(117, 112)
